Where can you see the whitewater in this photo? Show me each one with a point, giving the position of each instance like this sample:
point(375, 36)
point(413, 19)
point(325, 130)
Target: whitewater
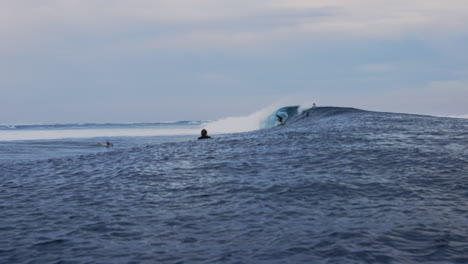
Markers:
point(329, 185)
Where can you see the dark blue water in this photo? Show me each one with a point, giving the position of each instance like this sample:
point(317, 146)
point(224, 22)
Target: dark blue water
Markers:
point(28, 150)
point(337, 186)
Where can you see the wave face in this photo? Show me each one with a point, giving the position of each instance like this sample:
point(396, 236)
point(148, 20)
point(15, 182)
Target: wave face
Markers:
point(332, 185)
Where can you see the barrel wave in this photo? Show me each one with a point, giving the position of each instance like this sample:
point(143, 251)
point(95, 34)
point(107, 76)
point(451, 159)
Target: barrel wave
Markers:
point(331, 185)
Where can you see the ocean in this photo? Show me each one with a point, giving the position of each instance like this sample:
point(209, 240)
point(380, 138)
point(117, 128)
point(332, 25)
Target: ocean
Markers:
point(328, 185)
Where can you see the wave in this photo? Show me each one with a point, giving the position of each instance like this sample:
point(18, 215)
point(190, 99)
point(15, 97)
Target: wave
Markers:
point(239, 124)
point(263, 119)
point(268, 118)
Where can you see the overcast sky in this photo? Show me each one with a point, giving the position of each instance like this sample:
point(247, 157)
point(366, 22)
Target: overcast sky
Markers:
point(64, 61)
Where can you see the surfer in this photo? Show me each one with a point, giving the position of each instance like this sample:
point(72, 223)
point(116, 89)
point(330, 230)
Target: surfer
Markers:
point(204, 134)
point(280, 119)
point(108, 144)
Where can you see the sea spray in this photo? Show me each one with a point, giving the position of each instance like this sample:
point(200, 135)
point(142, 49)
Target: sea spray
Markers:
point(305, 106)
point(241, 123)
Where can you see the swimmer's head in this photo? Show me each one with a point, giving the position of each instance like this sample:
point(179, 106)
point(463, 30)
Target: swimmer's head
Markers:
point(204, 132)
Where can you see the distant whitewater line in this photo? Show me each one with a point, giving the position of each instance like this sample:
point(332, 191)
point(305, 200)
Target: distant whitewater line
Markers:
point(98, 125)
point(92, 133)
point(462, 116)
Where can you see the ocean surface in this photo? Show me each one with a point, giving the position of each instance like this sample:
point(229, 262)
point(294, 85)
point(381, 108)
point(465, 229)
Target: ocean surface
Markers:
point(330, 185)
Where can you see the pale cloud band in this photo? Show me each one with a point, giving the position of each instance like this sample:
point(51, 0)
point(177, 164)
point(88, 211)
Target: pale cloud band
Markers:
point(253, 22)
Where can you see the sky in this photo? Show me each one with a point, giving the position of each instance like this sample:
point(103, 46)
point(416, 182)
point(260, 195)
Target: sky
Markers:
point(68, 61)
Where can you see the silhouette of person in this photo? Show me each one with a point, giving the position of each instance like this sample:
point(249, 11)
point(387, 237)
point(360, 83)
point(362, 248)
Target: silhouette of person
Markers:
point(204, 134)
point(280, 119)
point(108, 144)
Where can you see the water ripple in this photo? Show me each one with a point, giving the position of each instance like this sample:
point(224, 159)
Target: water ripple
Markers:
point(360, 187)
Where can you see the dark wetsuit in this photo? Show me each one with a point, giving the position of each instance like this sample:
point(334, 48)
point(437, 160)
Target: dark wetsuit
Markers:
point(280, 119)
point(204, 137)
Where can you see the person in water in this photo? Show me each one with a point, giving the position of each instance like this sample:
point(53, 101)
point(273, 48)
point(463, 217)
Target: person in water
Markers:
point(108, 144)
point(204, 134)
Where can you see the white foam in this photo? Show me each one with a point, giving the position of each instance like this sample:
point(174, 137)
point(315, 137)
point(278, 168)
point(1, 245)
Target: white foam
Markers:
point(91, 133)
point(241, 123)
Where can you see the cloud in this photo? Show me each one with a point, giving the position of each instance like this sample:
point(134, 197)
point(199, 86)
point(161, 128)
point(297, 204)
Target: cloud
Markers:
point(219, 23)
